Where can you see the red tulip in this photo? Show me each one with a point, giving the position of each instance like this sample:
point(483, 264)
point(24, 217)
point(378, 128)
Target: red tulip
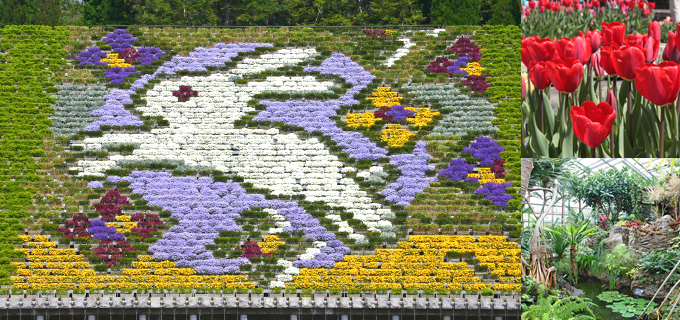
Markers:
point(532, 4)
point(542, 49)
point(524, 49)
point(577, 6)
point(654, 30)
point(595, 38)
point(539, 74)
point(567, 3)
point(671, 53)
point(570, 9)
point(577, 47)
point(606, 60)
point(641, 4)
point(541, 9)
point(596, 3)
point(626, 59)
point(659, 84)
point(555, 8)
point(566, 74)
point(597, 65)
point(592, 123)
point(651, 5)
point(613, 33)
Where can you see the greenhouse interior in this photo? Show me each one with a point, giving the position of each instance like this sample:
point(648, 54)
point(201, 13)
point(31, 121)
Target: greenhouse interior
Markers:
point(600, 238)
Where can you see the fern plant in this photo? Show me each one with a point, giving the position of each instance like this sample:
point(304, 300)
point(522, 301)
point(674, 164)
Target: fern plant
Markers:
point(554, 308)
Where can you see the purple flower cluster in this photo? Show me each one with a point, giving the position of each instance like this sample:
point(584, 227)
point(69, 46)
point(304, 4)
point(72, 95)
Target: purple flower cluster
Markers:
point(92, 56)
point(204, 208)
point(149, 55)
point(202, 57)
point(113, 113)
point(197, 61)
point(413, 179)
point(398, 113)
point(119, 39)
point(457, 170)
point(95, 184)
point(118, 74)
point(100, 231)
point(496, 193)
point(316, 115)
point(486, 150)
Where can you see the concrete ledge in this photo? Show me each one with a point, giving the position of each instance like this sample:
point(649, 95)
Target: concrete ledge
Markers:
point(258, 302)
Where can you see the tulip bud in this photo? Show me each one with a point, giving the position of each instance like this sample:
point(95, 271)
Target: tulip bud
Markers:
point(654, 30)
point(524, 88)
point(611, 99)
point(597, 65)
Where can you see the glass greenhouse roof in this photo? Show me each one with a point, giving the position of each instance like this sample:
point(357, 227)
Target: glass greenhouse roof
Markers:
point(648, 168)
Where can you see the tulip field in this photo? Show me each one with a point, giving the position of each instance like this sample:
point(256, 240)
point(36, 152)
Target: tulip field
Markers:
point(605, 83)
point(299, 160)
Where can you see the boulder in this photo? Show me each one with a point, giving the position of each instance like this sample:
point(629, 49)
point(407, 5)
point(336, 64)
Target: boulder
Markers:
point(646, 242)
point(618, 235)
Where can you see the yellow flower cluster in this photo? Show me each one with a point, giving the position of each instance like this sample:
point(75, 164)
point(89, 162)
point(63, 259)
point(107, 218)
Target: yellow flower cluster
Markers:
point(422, 118)
point(395, 135)
point(356, 120)
point(270, 244)
point(473, 69)
point(43, 273)
point(37, 238)
point(114, 61)
point(390, 32)
point(419, 264)
point(124, 227)
point(384, 97)
point(123, 218)
point(485, 176)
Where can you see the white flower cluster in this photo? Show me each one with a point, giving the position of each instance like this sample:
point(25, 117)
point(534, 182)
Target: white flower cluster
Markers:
point(399, 52)
point(272, 61)
point(202, 133)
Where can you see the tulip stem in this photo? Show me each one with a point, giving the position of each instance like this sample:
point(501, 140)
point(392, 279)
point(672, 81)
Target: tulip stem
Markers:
point(592, 152)
point(599, 84)
point(630, 113)
point(661, 138)
point(540, 107)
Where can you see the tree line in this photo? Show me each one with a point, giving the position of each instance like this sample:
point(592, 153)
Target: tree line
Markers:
point(259, 12)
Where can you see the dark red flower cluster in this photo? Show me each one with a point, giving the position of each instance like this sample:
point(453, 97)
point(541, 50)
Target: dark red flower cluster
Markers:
point(109, 205)
point(376, 33)
point(184, 93)
point(76, 228)
point(146, 223)
point(252, 250)
point(110, 252)
point(498, 169)
point(465, 48)
point(477, 83)
point(129, 55)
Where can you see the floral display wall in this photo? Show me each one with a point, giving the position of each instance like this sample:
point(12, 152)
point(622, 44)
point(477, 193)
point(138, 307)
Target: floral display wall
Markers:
point(169, 159)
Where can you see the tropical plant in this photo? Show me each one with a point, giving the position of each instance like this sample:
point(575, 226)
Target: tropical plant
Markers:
point(615, 191)
point(552, 307)
point(618, 262)
point(658, 261)
point(573, 235)
point(557, 244)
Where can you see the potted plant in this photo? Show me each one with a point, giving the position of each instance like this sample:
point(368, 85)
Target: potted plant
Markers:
point(496, 229)
point(480, 229)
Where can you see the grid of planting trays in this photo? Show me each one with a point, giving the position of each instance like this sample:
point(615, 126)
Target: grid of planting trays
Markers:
point(295, 160)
